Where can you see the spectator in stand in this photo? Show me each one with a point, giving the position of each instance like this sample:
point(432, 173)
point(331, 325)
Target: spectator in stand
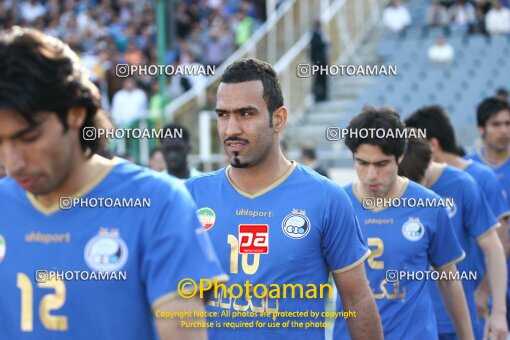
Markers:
point(157, 160)
point(31, 10)
point(396, 17)
point(497, 20)
point(502, 94)
point(462, 16)
point(437, 18)
point(441, 52)
point(129, 104)
point(244, 28)
point(309, 158)
point(218, 46)
point(319, 56)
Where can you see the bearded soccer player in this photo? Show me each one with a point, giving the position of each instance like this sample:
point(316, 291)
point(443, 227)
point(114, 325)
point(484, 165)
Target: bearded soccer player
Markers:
point(403, 239)
point(493, 120)
point(472, 219)
point(275, 222)
point(46, 104)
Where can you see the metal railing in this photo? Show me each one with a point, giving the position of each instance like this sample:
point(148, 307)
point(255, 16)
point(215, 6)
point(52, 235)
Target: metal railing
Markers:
point(283, 41)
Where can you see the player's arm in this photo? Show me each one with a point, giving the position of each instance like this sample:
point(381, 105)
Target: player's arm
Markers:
point(356, 296)
point(455, 302)
point(482, 292)
point(171, 328)
point(497, 276)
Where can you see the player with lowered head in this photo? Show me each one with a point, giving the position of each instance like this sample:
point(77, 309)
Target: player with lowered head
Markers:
point(403, 240)
point(473, 219)
point(275, 222)
point(46, 104)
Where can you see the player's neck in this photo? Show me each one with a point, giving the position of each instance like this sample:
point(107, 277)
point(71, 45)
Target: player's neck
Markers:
point(182, 173)
point(81, 172)
point(257, 178)
point(496, 156)
point(432, 174)
point(454, 160)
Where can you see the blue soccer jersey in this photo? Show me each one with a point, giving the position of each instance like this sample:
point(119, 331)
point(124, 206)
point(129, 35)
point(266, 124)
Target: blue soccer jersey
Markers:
point(495, 194)
point(404, 239)
point(502, 171)
point(307, 228)
point(141, 253)
point(472, 218)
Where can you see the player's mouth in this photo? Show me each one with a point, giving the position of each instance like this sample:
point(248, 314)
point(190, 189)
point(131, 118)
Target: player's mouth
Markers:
point(235, 146)
point(373, 187)
point(26, 183)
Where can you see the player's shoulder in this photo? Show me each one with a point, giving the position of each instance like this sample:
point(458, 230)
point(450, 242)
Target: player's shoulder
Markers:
point(9, 188)
point(416, 190)
point(480, 170)
point(206, 178)
point(133, 178)
point(474, 155)
point(306, 176)
point(458, 176)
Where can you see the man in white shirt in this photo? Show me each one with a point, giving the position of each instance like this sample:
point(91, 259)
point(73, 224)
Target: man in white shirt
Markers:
point(497, 20)
point(441, 51)
point(396, 17)
point(129, 103)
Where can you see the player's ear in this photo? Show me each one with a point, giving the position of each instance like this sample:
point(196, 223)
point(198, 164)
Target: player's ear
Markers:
point(481, 131)
point(76, 117)
point(434, 144)
point(280, 119)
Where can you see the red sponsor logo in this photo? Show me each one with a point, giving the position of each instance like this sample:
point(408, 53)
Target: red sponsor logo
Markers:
point(253, 239)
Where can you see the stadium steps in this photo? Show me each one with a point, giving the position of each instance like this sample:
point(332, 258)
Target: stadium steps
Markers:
point(336, 112)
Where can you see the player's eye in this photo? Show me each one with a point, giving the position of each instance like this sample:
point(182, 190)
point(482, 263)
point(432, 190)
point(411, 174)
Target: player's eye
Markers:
point(382, 164)
point(221, 114)
point(30, 137)
point(246, 113)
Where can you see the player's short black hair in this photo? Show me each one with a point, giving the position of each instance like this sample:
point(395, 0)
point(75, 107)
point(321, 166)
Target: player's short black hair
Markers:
point(416, 159)
point(173, 127)
point(309, 153)
point(502, 91)
point(434, 120)
point(250, 69)
point(377, 118)
point(41, 73)
point(488, 108)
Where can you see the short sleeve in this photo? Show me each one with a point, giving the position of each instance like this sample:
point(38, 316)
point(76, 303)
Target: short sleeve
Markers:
point(478, 216)
point(343, 246)
point(444, 248)
point(176, 247)
point(495, 195)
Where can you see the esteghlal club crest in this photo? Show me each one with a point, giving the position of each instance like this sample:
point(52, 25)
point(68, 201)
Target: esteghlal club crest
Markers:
point(296, 225)
point(413, 230)
point(106, 252)
point(3, 248)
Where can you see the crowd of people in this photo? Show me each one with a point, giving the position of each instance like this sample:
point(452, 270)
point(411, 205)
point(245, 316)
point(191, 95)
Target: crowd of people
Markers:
point(107, 33)
point(482, 16)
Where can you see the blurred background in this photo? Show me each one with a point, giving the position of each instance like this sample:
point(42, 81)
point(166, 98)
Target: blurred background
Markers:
point(451, 53)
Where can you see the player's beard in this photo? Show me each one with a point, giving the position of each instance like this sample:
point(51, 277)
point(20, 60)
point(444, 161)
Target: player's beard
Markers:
point(236, 162)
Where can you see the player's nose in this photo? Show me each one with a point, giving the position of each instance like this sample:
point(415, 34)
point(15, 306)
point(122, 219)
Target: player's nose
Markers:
point(372, 172)
point(12, 160)
point(233, 126)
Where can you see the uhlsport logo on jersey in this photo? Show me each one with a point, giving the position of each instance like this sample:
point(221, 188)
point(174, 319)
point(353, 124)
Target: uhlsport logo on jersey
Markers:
point(106, 251)
point(207, 217)
point(451, 209)
point(253, 239)
point(413, 230)
point(296, 225)
point(3, 248)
